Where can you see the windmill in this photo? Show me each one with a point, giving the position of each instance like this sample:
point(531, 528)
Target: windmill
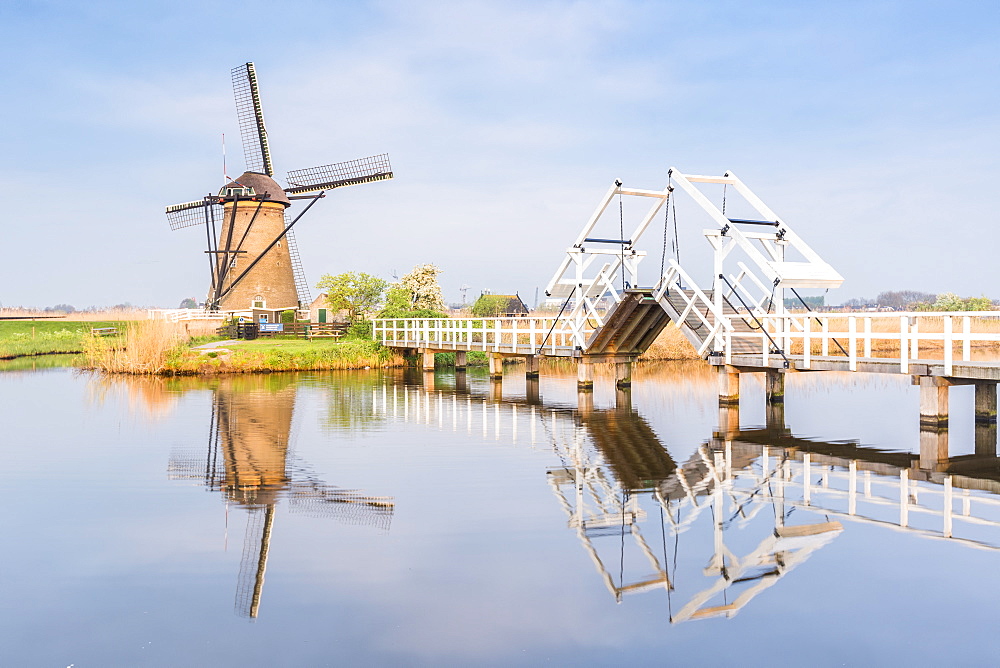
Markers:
point(252, 254)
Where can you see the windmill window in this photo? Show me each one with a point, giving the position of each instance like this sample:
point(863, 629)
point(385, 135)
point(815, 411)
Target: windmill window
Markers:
point(258, 302)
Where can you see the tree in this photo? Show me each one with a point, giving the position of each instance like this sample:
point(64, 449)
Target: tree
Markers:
point(489, 306)
point(358, 292)
point(190, 302)
point(417, 294)
point(904, 300)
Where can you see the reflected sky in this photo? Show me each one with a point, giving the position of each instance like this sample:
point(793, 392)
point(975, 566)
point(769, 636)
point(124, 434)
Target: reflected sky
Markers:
point(514, 531)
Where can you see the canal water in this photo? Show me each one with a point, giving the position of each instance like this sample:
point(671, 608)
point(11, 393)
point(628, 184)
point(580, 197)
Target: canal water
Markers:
point(401, 518)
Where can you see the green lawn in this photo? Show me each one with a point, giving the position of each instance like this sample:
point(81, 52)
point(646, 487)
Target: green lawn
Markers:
point(329, 348)
point(39, 337)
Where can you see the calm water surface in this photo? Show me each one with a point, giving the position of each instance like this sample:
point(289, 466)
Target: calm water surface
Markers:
point(393, 518)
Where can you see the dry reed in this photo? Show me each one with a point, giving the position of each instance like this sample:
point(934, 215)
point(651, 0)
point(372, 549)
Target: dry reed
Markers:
point(143, 347)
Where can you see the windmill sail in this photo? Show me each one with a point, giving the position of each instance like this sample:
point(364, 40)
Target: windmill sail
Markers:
point(301, 283)
point(337, 175)
point(194, 213)
point(251, 118)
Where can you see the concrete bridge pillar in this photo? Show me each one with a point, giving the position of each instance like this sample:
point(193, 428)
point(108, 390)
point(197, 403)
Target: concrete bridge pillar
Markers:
point(496, 367)
point(531, 366)
point(584, 376)
point(623, 374)
point(461, 360)
point(427, 360)
point(986, 419)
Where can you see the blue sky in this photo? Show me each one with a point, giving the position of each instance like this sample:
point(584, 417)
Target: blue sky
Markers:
point(871, 127)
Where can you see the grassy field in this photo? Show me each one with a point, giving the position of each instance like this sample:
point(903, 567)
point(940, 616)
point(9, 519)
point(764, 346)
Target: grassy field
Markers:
point(282, 355)
point(20, 338)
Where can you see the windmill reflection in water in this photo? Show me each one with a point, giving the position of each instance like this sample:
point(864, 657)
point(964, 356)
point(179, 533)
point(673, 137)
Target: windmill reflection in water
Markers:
point(772, 500)
point(248, 460)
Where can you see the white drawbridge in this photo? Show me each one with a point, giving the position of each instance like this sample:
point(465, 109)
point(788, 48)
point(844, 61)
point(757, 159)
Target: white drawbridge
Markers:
point(754, 261)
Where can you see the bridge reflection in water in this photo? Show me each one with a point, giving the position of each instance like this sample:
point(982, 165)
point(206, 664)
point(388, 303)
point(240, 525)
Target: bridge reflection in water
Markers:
point(772, 500)
point(248, 460)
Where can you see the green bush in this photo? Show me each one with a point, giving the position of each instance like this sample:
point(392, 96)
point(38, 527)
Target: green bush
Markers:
point(360, 329)
point(288, 317)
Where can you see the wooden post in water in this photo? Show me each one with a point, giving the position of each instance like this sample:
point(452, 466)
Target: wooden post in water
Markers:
point(531, 391)
point(774, 392)
point(427, 361)
point(531, 365)
point(729, 401)
point(584, 376)
point(461, 360)
point(623, 374)
point(623, 398)
point(933, 422)
point(496, 367)
point(986, 419)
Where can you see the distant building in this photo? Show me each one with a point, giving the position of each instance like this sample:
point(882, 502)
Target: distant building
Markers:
point(320, 311)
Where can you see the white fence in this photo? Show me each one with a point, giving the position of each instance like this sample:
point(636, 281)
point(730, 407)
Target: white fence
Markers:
point(518, 336)
point(948, 338)
point(180, 314)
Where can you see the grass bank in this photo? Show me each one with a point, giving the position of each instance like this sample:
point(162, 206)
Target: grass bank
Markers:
point(265, 355)
point(22, 338)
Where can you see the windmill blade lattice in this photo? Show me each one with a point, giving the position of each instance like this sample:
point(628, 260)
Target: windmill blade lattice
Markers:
point(190, 214)
point(340, 174)
point(301, 282)
point(251, 118)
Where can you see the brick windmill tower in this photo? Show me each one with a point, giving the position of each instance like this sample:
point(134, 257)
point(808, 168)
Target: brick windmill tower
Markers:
point(253, 257)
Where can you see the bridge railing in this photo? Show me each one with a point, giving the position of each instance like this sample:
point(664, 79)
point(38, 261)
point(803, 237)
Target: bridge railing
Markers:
point(518, 336)
point(950, 338)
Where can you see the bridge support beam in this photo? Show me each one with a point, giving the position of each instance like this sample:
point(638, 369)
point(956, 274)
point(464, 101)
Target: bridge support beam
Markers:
point(461, 360)
point(427, 360)
point(986, 419)
point(531, 366)
point(496, 367)
point(584, 376)
point(623, 374)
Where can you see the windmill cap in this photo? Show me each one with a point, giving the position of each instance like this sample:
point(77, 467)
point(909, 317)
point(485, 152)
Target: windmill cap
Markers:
point(261, 183)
